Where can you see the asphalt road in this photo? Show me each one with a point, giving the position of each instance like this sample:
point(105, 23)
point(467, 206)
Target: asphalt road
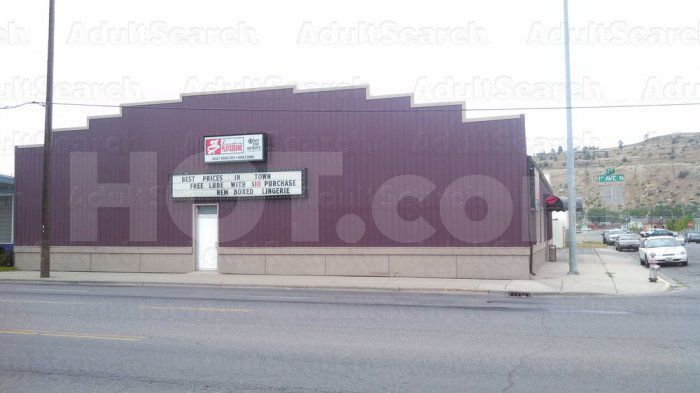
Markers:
point(687, 276)
point(63, 338)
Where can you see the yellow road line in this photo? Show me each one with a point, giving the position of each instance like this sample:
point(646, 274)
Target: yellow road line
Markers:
point(73, 335)
point(197, 308)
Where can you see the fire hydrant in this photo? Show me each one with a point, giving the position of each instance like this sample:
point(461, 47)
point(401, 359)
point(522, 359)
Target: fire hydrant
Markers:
point(653, 272)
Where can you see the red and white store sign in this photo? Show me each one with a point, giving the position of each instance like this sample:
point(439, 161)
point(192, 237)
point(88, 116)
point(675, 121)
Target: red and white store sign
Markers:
point(234, 148)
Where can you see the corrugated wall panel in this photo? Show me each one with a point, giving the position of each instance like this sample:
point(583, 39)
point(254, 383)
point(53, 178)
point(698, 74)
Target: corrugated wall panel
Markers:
point(431, 144)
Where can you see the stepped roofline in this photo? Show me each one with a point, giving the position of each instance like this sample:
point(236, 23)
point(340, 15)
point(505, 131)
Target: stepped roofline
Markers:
point(294, 90)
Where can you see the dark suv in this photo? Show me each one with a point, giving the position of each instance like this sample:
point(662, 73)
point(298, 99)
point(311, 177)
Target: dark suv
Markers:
point(661, 232)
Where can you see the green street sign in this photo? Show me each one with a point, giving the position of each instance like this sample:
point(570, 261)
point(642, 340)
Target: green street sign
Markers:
point(610, 171)
point(611, 178)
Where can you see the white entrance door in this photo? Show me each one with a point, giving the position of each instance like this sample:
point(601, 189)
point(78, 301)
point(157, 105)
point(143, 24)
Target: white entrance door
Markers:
point(207, 237)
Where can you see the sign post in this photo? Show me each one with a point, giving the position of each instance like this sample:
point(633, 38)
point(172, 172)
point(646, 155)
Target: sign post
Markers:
point(611, 177)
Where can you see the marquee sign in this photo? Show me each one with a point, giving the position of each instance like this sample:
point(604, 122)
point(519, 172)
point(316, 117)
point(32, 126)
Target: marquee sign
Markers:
point(287, 183)
point(234, 148)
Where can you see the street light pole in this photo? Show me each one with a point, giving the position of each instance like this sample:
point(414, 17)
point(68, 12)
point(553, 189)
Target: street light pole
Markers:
point(45, 267)
point(570, 175)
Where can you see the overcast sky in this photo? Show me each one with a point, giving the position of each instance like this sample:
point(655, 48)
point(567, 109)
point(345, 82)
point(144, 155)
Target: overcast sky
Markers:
point(487, 54)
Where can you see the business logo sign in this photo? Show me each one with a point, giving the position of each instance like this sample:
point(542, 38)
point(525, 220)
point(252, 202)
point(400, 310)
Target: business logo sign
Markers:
point(234, 148)
point(287, 183)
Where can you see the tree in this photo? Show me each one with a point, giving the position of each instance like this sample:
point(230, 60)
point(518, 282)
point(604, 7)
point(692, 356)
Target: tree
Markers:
point(680, 224)
point(620, 144)
point(634, 228)
point(602, 214)
point(560, 149)
point(637, 212)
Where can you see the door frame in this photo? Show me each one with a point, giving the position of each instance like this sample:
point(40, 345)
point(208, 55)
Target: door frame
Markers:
point(194, 234)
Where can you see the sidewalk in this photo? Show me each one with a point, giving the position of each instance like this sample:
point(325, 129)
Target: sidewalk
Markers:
point(602, 272)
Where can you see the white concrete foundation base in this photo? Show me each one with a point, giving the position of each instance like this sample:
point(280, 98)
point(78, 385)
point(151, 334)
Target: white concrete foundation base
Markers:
point(109, 259)
point(510, 263)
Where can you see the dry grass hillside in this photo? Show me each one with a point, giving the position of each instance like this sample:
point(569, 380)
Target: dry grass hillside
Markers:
point(662, 169)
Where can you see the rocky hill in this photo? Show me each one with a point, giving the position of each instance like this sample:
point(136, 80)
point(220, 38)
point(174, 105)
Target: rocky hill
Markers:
point(663, 169)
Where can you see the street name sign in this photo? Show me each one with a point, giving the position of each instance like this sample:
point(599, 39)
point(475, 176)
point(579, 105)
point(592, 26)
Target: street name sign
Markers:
point(611, 178)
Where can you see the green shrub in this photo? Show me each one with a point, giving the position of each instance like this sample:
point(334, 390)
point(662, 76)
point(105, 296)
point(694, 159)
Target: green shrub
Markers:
point(6, 260)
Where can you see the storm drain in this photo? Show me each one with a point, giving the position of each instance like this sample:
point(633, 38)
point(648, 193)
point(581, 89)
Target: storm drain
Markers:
point(519, 294)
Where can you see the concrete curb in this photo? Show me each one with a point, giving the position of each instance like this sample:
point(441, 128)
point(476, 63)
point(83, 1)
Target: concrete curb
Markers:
point(667, 287)
point(672, 284)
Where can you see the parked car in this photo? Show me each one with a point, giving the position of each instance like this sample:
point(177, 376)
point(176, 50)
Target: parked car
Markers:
point(627, 241)
point(662, 249)
point(692, 237)
point(612, 235)
point(660, 232)
point(606, 233)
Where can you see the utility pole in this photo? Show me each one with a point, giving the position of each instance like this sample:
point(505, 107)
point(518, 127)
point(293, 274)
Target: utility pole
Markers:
point(570, 175)
point(48, 143)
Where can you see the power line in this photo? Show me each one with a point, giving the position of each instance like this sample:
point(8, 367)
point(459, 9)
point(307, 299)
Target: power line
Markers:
point(153, 106)
point(18, 105)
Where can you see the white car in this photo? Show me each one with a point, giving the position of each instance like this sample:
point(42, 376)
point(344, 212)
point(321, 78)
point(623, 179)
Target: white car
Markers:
point(662, 249)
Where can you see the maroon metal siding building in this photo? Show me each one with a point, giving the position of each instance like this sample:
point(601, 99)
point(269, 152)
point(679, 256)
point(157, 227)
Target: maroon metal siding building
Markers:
point(390, 189)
